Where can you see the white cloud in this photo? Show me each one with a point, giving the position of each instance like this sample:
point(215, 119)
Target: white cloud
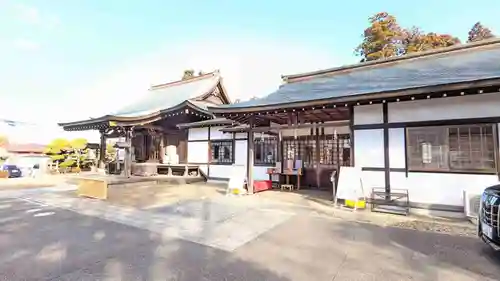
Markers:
point(26, 44)
point(249, 66)
point(29, 14)
point(32, 15)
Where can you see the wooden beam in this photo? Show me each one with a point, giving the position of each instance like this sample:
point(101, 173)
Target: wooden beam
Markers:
point(250, 155)
point(150, 127)
point(299, 126)
point(128, 154)
point(102, 150)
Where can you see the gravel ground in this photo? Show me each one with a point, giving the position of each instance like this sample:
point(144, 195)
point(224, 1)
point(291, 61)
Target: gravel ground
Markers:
point(438, 227)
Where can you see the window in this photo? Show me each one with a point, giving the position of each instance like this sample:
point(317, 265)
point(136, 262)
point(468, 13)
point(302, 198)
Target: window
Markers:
point(301, 148)
point(222, 152)
point(455, 148)
point(266, 151)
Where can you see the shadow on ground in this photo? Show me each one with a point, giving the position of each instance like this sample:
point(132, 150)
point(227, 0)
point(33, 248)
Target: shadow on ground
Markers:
point(428, 252)
point(62, 245)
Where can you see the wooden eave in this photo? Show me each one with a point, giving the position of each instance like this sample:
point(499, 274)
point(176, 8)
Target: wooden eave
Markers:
point(222, 91)
point(207, 123)
point(340, 105)
point(186, 107)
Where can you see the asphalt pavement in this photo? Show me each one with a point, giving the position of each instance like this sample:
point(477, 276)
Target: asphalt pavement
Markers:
point(40, 242)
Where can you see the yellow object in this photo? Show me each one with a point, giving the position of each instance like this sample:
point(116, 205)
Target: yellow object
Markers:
point(112, 123)
point(361, 204)
point(93, 188)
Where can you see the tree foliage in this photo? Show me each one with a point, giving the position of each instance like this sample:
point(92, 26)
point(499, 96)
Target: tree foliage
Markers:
point(110, 152)
point(4, 141)
point(415, 40)
point(382, 39)
point(479, 32)
point(68, 153)
point(386, 38)
point(188, 73)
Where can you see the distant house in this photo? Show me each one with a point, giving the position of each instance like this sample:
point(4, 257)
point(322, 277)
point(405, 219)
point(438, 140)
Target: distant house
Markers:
point(25, 149)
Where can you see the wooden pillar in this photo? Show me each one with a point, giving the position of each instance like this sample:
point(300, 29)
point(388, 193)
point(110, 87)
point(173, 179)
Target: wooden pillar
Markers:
point(351, 135)
point(128, 153)
point(162, 148)
point(102, 150)
point(250, 156)
point(387, 173)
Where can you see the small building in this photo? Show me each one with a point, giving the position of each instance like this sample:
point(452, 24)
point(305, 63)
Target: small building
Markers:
point(25, 149)
point(426, 123)
point(149, 126)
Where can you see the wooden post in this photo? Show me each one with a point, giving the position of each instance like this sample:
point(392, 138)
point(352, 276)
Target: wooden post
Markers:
point(250, 156)
point(128, 153)
point(162, 148)
point(102, 150)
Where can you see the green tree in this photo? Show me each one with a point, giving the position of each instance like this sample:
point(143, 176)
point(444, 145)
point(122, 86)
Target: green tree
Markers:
point(110, 152)
point(415, 40)
point(68, 153)
point(382, 39)
point(386, 38)
point(479, 32)
point(188, 73)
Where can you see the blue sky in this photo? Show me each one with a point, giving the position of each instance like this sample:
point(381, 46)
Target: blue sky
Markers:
point(59, 58)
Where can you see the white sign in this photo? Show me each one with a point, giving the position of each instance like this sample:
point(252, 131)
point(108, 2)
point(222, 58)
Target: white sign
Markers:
point(237, 180)
point(350, 184)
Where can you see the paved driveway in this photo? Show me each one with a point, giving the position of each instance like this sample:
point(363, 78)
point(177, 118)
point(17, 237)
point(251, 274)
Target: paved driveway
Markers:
point(47, 243)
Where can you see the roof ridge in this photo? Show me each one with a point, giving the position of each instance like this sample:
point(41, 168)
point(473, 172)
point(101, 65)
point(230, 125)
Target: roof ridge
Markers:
point(185, 81)
point(456, 48)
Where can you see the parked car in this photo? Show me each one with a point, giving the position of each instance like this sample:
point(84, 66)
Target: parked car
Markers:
point(488, 223)
point(14, 171)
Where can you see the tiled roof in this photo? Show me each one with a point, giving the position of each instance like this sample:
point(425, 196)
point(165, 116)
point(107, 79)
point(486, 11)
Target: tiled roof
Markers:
point(25, 147)
point(165, 96)
point(210, 122)
point(454, 65)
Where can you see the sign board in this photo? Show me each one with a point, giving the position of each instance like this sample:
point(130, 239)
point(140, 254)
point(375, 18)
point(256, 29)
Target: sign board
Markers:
point(237, 180)
point(350, 184)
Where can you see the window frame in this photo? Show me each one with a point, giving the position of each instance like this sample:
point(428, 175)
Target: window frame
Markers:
point(221, 144)
point(447, 155)
point(271, 143)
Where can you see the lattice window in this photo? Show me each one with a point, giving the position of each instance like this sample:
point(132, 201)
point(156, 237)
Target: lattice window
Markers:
point(302, 148)
point(334, 150)
point(222, 152)
point(266, 151)
point(454, 148)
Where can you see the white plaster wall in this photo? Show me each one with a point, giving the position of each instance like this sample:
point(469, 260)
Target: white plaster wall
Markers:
point(372, 179)
point(198, 152)
point(369, 148)
point(397, 148)
point(439, 188)
point(368, 114)
point(260, 172)
point(198, 134)
point(240, 152)
point(204, 169)
point(220, 171)
point(241, 135)
point(216, 134)
point(476, 106)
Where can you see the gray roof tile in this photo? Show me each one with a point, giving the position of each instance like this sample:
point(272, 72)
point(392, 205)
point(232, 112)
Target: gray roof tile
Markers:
point(161, 98)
